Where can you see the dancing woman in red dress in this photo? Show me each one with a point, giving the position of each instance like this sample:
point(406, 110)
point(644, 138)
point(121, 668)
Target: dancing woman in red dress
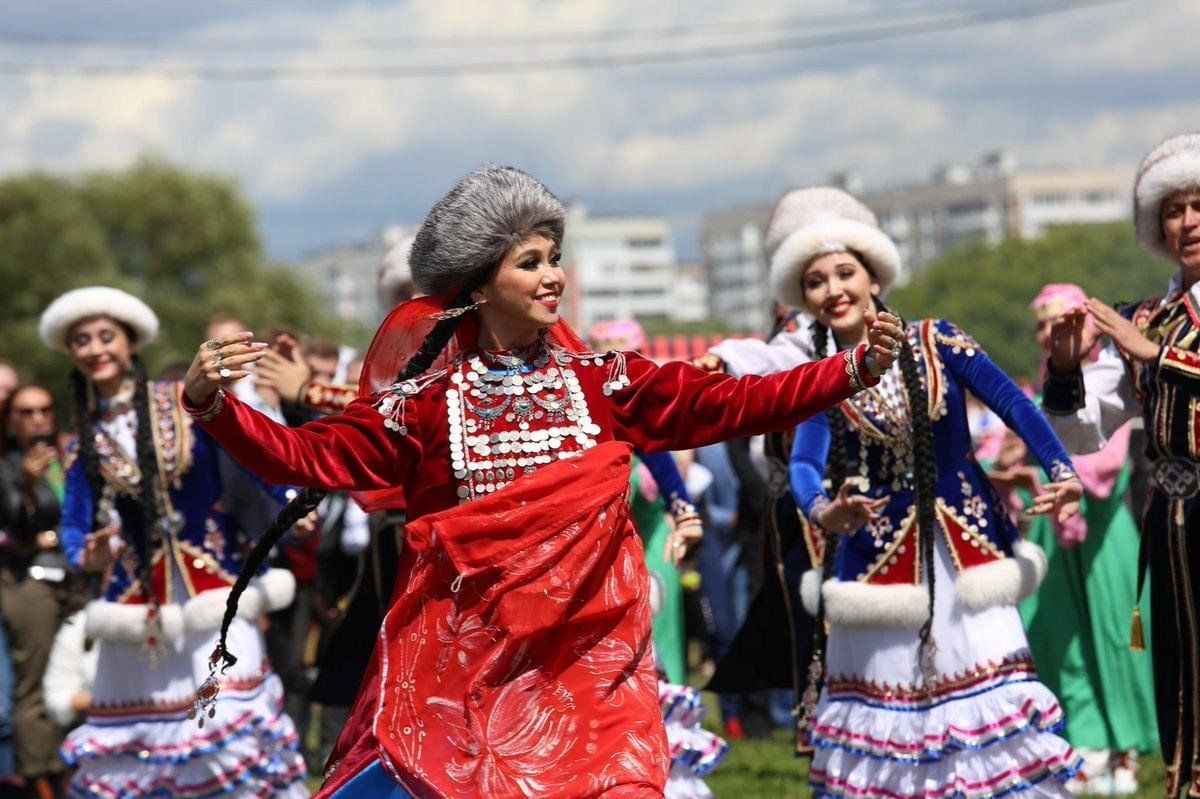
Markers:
point(515, 658)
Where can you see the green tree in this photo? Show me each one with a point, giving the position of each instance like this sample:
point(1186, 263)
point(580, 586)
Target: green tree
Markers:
point(986, 289)
point(185, 242)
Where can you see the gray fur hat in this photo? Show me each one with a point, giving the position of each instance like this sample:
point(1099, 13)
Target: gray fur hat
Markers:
point(1174, 165)
point(470, 230)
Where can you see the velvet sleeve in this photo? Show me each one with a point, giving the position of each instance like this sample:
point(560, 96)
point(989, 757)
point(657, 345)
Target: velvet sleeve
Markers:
point(971, 366)
point(77, 513)
point(665, 472)
point(806, 467)
point(679, 406)
point(351, 451)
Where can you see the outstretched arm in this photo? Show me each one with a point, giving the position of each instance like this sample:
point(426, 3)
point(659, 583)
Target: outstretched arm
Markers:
point(679, 406)
point(353, 451)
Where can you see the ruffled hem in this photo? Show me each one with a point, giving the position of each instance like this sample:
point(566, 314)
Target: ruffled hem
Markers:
point(692, 748)
point(248, 749)
point(999, 742)
point(1025, 767)
point(870, 729)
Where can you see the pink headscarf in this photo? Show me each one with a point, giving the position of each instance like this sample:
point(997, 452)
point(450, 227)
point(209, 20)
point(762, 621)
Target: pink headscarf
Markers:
point(619, 334)
point(1055, 299)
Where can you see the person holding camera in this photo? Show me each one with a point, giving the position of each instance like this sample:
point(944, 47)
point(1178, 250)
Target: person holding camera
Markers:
point(33, 571)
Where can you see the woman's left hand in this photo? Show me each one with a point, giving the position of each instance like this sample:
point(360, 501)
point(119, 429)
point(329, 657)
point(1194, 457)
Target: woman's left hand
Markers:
point(884, 337)
point(1061, 499)
point(682, 538)
point(219, 362)
point(1122, 332)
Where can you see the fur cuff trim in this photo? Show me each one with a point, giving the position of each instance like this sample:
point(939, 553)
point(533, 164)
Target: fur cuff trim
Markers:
point(1003, 582)
point(810, 586)
point(126, 624)
point(857, 604)
point(275, 589)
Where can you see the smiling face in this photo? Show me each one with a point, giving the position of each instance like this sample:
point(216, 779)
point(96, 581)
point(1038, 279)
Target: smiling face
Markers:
point(1180, 217)
point(837, 290)
point(523, 295)
point(101, 350)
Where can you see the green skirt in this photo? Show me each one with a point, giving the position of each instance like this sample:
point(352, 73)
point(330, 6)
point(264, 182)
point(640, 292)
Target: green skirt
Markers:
point(651, 520)
point(1079, 623)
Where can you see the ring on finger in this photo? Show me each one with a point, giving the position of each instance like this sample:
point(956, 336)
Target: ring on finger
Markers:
point(225, 373)
point(213, 344)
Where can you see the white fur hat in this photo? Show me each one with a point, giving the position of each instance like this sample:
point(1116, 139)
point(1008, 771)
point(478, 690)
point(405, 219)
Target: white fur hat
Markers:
point(394, 270)
point(1170, 167)
point(62, 314)
point(813, 221)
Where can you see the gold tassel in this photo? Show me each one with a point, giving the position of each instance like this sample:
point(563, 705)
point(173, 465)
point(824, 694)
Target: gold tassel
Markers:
point(1137, 640)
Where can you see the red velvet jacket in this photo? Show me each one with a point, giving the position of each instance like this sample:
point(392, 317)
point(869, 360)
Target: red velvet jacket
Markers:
point(532, 578)
point(671, 407)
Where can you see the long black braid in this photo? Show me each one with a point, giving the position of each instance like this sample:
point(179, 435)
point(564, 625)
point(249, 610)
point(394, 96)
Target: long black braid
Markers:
point(837, 469)
point(924, 468)
point(141, 533)
point(307, 500)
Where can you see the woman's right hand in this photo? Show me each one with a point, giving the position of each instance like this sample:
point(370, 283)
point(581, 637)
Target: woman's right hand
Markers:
point(1071, 340)
point(847, 512)
point(98, 552)
point(229, 353)
point(37, 461)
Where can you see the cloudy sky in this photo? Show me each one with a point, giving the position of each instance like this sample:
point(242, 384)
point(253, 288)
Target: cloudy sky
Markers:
point(341, 117)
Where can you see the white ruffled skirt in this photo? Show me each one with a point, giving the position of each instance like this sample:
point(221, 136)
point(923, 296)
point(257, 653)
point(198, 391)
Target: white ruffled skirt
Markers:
point(694, 750)
point(985, 728)
point(138, 740)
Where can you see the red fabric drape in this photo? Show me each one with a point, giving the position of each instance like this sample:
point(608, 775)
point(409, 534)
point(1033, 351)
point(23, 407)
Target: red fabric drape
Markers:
point(516, 662)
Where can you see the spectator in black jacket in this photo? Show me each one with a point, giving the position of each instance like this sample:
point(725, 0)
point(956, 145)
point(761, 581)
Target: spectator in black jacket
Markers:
point(33, 571)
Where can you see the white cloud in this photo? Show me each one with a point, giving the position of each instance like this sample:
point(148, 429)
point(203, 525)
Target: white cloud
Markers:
point(1049, 88)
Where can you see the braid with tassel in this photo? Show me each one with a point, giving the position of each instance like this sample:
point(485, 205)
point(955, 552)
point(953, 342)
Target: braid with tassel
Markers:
point(305, 503)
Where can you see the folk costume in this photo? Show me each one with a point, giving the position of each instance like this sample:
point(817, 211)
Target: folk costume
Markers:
point(154, 639)
point(1078, 621)
point(891, 722)
point(515, 658)
point(1089, 405)
point(895, 716)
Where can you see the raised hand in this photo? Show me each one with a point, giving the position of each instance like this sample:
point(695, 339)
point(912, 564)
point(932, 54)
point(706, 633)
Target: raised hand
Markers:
point(219, 362)
point(685, 536)
point(848, 512)
point(1071, 339)
point(884, 336)
point(1123, 332)
point(285, 371)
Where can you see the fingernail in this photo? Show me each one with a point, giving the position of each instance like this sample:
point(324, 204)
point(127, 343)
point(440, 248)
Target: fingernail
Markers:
point(259, 345)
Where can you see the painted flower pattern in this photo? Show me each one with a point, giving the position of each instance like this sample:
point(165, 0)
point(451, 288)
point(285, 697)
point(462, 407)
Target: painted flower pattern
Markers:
point(519, 747)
